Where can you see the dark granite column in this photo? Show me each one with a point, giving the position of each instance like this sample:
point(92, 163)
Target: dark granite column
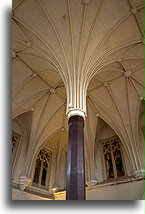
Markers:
point(75, 189)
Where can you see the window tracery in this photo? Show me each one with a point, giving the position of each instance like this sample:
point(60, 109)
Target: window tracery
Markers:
point(112, 158)
point(15, 144)
point(42, 168)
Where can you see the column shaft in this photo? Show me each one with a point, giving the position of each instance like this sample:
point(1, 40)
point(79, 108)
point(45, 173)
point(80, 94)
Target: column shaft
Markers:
point(75, 166)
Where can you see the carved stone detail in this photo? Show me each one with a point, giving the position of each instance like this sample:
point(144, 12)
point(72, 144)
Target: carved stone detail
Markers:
point(24, 182)
point(91, 183)
point(139, 173)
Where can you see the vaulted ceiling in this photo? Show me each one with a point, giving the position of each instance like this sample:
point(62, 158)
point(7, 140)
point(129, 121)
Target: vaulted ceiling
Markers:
point(71, 52)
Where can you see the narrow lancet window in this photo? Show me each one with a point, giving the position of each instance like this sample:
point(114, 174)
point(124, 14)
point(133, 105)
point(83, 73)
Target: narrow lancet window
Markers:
point(42, 168)
point(113, 158)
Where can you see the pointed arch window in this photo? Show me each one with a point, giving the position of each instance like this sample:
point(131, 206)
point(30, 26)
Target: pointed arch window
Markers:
point(15, 145)
point(42, 168)
point(112, 156)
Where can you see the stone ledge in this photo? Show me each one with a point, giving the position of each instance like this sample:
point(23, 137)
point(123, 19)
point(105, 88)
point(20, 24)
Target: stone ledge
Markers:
point(34, 191)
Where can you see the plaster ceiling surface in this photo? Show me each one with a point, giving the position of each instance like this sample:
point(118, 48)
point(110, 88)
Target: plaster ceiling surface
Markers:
point(78, 54)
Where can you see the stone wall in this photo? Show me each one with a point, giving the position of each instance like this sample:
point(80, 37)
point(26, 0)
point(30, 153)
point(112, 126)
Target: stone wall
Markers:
point(22, 195)
point(119, 191)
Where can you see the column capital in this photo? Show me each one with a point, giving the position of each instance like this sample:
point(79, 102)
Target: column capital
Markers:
point(91, 183)
point(24, 182)
point(139, 173)
point(55, 189)
point(76, 112)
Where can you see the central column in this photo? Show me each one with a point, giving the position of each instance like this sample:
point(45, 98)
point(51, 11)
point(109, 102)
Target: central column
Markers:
point(75, 189)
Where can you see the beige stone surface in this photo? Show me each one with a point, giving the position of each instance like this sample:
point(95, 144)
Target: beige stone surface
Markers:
point(21, 195)
point(127, 191)
point(82, 56)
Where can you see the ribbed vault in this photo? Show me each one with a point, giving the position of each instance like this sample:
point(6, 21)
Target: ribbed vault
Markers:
point(77, 54)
